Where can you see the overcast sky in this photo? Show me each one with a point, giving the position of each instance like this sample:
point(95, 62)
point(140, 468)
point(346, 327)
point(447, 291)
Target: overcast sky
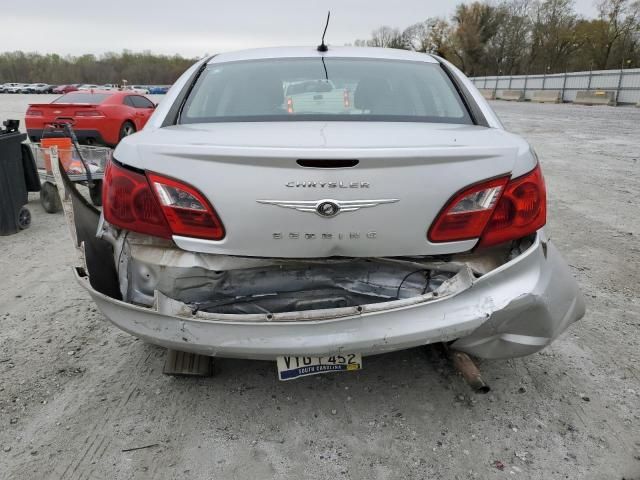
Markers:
point(196, 27)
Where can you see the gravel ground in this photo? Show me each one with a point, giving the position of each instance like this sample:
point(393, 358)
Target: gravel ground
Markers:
point(75, 392)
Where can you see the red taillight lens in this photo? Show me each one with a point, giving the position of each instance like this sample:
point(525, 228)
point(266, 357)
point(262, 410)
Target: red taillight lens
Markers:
point(498, 211)
point(467, 213)
point(187, 211)
point(129, 203)
point(289, 105)
point(156, 205)
point(521, 211)
point(34, 113)
point(89, 113)
point(345, 98)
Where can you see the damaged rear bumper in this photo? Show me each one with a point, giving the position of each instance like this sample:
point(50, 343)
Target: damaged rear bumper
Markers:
point(514, 310)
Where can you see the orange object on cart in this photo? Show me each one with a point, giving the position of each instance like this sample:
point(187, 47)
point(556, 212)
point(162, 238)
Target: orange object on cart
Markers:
point(64, 152)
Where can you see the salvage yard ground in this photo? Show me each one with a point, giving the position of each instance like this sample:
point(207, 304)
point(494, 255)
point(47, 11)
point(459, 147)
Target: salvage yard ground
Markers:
point(76, 393)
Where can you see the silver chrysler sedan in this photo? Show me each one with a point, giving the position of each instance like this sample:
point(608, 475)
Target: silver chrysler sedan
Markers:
point(315, 207)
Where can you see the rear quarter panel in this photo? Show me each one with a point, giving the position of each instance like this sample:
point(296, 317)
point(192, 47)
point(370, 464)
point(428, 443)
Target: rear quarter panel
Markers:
point(115, 115)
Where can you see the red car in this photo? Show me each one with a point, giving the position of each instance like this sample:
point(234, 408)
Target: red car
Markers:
point(64, 89)
point(101, 117)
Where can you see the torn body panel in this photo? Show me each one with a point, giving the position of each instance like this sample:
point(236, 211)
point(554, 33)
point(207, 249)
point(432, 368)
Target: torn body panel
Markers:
point(499, 304)
point(224, 284)
point(487, 317)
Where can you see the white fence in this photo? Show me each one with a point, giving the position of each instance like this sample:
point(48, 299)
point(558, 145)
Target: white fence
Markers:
point(626, 83)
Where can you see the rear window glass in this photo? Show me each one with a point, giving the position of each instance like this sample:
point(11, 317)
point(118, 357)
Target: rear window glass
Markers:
point(336, 89)
point(80, 97)
point(141, 102)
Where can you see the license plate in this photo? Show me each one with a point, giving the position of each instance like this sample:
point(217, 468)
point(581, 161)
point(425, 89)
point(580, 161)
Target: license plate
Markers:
point(295, 367)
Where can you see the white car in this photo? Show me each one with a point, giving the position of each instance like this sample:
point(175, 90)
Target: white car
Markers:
point(88, 86)
point(317, 96)
point(234, 226)
point(37, 88)
point(5, 86)
point(15, 87)
point(136, 89)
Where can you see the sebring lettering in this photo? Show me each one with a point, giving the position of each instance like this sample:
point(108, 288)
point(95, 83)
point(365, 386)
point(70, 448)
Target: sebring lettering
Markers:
point(312, 184)
point(371, 235)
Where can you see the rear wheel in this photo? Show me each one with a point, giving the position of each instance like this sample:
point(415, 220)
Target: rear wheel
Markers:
point(127, 129)
point(50, 198)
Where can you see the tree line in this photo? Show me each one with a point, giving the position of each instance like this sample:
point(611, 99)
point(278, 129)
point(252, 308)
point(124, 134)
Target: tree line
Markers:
point(509, 37)
point(525, 36)
point(137, 68)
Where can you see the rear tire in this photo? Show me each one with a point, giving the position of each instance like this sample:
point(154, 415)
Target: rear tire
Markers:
point(127, 129)
point(50, 198)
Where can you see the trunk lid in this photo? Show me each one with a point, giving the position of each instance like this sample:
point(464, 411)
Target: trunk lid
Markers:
point(62, 109)
point(52, 111)
point(269, 203)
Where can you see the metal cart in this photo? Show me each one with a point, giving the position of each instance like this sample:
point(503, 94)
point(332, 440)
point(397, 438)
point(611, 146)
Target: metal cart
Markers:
point(84, 164)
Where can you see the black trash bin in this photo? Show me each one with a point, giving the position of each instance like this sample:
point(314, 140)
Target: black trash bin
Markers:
point(18, 176)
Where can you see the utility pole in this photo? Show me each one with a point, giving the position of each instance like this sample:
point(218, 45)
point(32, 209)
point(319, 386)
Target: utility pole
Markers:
point(620, 78)
point(544, 77)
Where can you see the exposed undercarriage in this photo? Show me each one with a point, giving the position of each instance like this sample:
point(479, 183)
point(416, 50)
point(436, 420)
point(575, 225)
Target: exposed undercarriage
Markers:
point(242, 285)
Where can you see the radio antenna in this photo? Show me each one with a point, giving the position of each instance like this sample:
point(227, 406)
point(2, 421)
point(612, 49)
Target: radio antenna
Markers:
point(323, 47)
point(326, 74)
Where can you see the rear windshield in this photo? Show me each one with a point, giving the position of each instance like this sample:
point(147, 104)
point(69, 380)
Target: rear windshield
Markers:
point(80, 97)
point(336, 89)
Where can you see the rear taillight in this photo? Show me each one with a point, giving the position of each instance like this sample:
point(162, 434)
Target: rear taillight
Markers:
point(521, 211)
point(34, 113)
point(189, 214)
point(129, 203)
point(468, 212)
point(156, 205)
point(289, 105)
point(345, 98)
point(498, 210)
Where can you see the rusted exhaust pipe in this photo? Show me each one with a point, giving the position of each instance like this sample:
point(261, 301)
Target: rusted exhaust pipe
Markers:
point(469, 370)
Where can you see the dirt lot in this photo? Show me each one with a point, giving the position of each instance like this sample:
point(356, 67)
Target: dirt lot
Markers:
point(75, 392)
